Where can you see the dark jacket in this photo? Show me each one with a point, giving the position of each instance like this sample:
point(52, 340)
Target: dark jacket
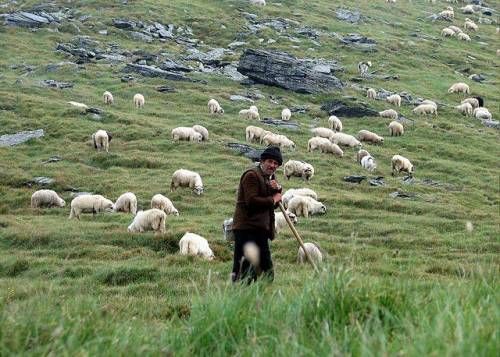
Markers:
point(255, 204)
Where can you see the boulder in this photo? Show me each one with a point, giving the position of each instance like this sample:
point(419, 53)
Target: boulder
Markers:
point(281, 123)
point(29, 19)
point(153, 71)
point(55, 84)
point(21, 137)
point(345, 108)
point(347, 15)
point(247, 151)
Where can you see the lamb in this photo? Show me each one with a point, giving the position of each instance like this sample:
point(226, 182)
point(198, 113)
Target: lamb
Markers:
point(472, 101)
point(280, 221)
point(463, 37)
point(345, 140)
point(101, 140)
point(365, 135)
point(313, 251)
point(361, 154)
point(371, 93)
point(324, 146)
point(465, 108)
point(323, 132)
point(401, 163)
point(368, 163)
point(305, 206)
point(185, 133)
point(151, 219)
point(334, 123)
point(396, 128)
point(202, 130)
point(193, 244)
point(363, 67)
point(139, 100)
point(249, 114)
point(46, 198)
point(470, 25)
point(293, 192)
point(186, 178)
point(163, 203)
point(459, 88)
point(214, 107)
point(89, 203)
point(389, 113)
point(425, 109)
point(81, 106)
point(255, 133)
point(447, 32)
point(482, 113)
point(107, 97)
point(299, 169)
point(278, 140)
point(394, 99)
point(286, 114)
point(126, 203)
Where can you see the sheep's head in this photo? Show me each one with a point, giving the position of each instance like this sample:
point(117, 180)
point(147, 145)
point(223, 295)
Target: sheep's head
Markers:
point(175, 212)
point(220, 111)
point(292, 216)
point(198, 190)
point(108, 206)
point(109, 136)
point(62, 203)
point(208, 254)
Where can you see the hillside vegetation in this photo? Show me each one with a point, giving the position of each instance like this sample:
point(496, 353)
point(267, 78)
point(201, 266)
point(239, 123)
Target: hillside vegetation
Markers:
point(400, 276)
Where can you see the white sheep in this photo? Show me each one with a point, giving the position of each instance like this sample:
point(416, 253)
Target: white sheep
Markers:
point(126, 203)
point(254, 108)
point(470, 25)
point(431, 102)
point(447, 14)
point(394, 99)
point(254, 133)
point(186, 178)
point(286, 114)
point(202, 130)
point(459, 87)
point(345, 140)
point(371, 93)
point(368, 163)
point(396, 128)
point(456, 29)
point(472, 101)
point(107, 97)
point(101, 140)
point(465, 108)
point(249, 114)
point(482, 113)
point(463, 37)
point(280, 221)
point(299, 169)
point(363, 67)
point(258, 2)
point(312, 250)
point(278, 140)
point(193, 244)
point(292, 192)
point(467, 9)
point(324, 145)
point(425, 109)
point(447, 32)
point(401, 163)
point(89, 204)
point(323, 132)
point(139, 100)
point(335, 123)
point(361, 154)
point(149, 220)
point(46, 198)
point(163, 203)
point(305, 206)
point(214, 107)
point(186, 133)
point(389, 113)
point(365, 135)
point(81, 106)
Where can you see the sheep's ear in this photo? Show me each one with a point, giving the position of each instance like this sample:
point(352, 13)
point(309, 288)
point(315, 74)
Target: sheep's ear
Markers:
point(93, 139)
point(109, 136)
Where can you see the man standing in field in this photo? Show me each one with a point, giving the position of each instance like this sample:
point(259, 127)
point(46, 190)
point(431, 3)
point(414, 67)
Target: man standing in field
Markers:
point(253, 221)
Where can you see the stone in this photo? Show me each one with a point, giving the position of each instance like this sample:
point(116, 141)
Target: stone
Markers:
point(93, 110)
point(20, 137)
point(281, 123)
point(84, 55)
point(53, 67)
point(170, 65)
point(246, 150)
point(477, 77)
point(28, 19)
point(234, 44)
point(127, 78)
point(153, 71)
point(495, 124)
point(360, 42)
point(165, 89)
point(55, 84)
point(241, 98)
point(51, 159)
point(348, 15)
point(345, 108)
point(400, 194)
point(377, 181)
point(124, 24)
point(139, 36)
point(210, 58)
point(354, 178)
point(41, 181)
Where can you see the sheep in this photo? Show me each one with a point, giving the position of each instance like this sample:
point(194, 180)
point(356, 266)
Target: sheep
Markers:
point(389, 113)
point(258, 2)
point(463, 37)
point(186, 178)
point(447, 14)
point(425, 109)
point(298, 168)
point(126, 203)
point(254, 108)
point(101, 140)
point(465, 108)
point(396, 128)
point(81, 106)
point(365, 135)
point(280, 221)
point(305, 206)
point(323, 132)
point(286, 114)
point(345, 140)
point(482, 113)
point(368, 163)
point(89, 203)
point(49, 198)
point(278, 140)
point(459, 87)
point(363, 67)
point(428, 101)
point(470, 25)
point(163, 203)
point(472, 101)
point(394, 99)
point(249, 114)
point(467, 9)
point(371, 93)
point(139, 100)
point(324, 146)
point(401, 163)
point(447, 32)
point(202, 130)
point(193, 244)
point(456, 29)
point(214, 107)
point(255, 133)
point(361, 154)
point(334, 123)
point(293, 192)
point(151, 219)
point(312, 250)
point(107, 97)
point(185, 133)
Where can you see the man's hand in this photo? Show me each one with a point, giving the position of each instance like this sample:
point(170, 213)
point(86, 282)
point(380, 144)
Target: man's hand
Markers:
point(277, 197)
point(275, 185)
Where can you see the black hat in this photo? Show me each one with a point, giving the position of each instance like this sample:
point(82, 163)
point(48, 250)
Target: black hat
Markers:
point(272, 152)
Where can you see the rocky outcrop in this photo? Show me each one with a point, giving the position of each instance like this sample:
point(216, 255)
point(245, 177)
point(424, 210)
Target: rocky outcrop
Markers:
point(21, 137)
point(348, 108)
point(152, 71)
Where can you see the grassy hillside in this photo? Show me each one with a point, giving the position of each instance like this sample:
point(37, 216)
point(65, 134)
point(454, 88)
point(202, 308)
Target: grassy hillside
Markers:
point(402, 276)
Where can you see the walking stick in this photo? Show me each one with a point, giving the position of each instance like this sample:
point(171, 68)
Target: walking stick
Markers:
point(296, 234)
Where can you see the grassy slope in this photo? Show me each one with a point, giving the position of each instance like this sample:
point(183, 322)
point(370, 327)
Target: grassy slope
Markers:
point(96, 281)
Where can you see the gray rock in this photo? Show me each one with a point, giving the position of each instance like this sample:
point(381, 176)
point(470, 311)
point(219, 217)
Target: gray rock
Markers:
point(377, 181)
point(139, 36)
point(491, 123)
point(124, 24)
point(21, 137)
point(152, 71)
point(281, 123)
point(299, 109)
point(55, 84)
point(308, 32)
point(51, 159)
point(354, 178)
point(93, 110)
point(240, 98)
point(361, 42)
point(170, 65)
point(345, 108)
point(236, 44)
point(165, 89)
point(127, 78)
point(28, 19)
point(112, 57)
point(477, 77)
point(247, 151)
point(400, 194)
point(231, 71)
point(53, 67)
point(348, 15)
point(322, 68)
point(212, 57)
point(84, 55)
point(102, 32)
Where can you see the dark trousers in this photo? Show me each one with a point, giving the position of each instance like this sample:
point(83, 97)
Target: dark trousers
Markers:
point(242, 269)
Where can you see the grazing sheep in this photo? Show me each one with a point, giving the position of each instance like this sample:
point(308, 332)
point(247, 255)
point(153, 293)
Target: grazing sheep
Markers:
point(467, 9)
point(324, 146)
point(149, 220)
point(185, 133)
point(465, 108)
point(345, 140)
point(126, 203)
point(46, 198)
point(394, 99)
point(107, 97)
point(186, 178)
point(139, 100)
point(323, 132)
point(334, 123)
point(101, 140)
point(447, 32)
point(286, 114)
point(163, 203)
point(299, 169)
point(463, 37)
point(472, 101)
point(305, 206)
point(427, 101)
point(482, 113)
point(396, 128)
point(280, 221)
point(202, 130)
point(249, 114)
point(368, 163)
point(389, 113)
point(401, 163)
point(425, 109)
point(313, 251)
point(278, 140)
point(193, 244)
point(470, 25)
point(361, 154)
point(214, 107)
point(293, 192)
point(459, 88)
point(258, 2)
point(254, 108)
point(363, 67)
point(456, 29)
point(447, 14)
point(365, 135)
point(254, 133)
point(371, 93)
point(81, 106)
point(89, 204)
